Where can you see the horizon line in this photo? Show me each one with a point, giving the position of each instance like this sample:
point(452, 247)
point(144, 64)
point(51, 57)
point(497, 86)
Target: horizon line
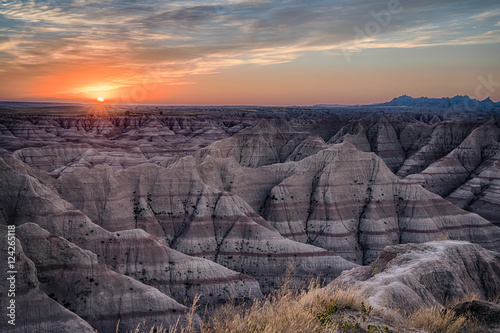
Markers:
point(233, 105)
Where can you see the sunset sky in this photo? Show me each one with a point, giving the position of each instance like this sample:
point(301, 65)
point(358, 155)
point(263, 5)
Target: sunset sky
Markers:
point(266, 52)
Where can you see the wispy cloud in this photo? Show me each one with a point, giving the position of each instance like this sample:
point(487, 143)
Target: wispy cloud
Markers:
point(182, 38)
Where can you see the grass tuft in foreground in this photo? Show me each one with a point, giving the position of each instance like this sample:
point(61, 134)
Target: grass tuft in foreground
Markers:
point(437, 320)
point(316, 309)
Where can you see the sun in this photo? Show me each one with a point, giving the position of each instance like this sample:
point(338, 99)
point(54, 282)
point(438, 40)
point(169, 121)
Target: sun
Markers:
point(100, 99)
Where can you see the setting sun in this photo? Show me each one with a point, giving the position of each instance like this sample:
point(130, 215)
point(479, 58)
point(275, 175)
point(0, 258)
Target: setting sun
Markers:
point(100, 99)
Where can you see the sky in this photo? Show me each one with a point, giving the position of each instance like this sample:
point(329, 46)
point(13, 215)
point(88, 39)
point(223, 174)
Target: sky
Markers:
point(239, 52)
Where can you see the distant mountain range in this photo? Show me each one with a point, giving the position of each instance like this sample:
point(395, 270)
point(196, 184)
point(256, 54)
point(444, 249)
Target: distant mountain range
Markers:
point(457, 103)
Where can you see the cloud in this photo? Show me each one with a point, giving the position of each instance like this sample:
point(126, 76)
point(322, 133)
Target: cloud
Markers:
point(190, 37)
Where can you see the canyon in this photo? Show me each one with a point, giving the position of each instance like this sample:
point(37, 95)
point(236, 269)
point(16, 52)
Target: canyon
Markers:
point(132, 215)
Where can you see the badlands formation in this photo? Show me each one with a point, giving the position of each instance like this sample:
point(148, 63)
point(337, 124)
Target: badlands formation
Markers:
point(130, 217)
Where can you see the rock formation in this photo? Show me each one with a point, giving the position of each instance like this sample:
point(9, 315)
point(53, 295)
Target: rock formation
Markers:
point(346, 201)
point(375, 134)
point(407, 277)
point(224, 202)
point(134, 253)
point(196, 219)
point(269, 141)
point(74, 278)
point(426, 143)
point(44, 314)
point(480, 193)
point(449, 172)
point(485, 312)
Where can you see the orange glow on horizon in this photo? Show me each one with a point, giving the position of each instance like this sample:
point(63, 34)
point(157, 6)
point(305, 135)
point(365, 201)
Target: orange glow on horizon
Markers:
point(267, 85)
point(132, 57)
point(89, 83)
point(101, 110)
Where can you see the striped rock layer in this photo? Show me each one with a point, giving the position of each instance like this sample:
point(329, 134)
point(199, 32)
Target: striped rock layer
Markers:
point(347, 201)
point(410, 276)
point(129, 254)
point(162, 205)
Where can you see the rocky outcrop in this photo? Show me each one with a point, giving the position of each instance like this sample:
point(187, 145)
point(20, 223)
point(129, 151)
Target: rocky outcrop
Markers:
point(451, 171)
point(44, 314)
point(60, 144)
point(481, 194)
point(196, 219)
point(348, 202)
point(485, 312)
point(20, 132)
point(425, 144)
point(308, 147)
point(206, 203)
point(466, 176)
point(108, 130)
point(135, 253)
point(327, 127)
point(74, 278)
point(408, 143)
point(375, 134)
point(50, 158)
point(338, 198)
point(269, 141)
point(407, 277)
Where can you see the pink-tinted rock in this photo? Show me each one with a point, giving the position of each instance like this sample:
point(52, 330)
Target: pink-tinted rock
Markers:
point(74, 278)
point(129, 252)
point(407, 277)
point(348, 202)
point(34, 310)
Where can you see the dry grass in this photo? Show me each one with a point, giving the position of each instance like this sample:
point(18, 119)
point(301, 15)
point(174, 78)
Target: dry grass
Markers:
point(467, 298)
point(438, 320)
point(435, 320)
point(314, 310)
point(443, 237)
point(285, 311)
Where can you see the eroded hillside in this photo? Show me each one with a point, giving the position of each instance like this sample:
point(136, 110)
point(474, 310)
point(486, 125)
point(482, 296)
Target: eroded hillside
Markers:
point(148, 211)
